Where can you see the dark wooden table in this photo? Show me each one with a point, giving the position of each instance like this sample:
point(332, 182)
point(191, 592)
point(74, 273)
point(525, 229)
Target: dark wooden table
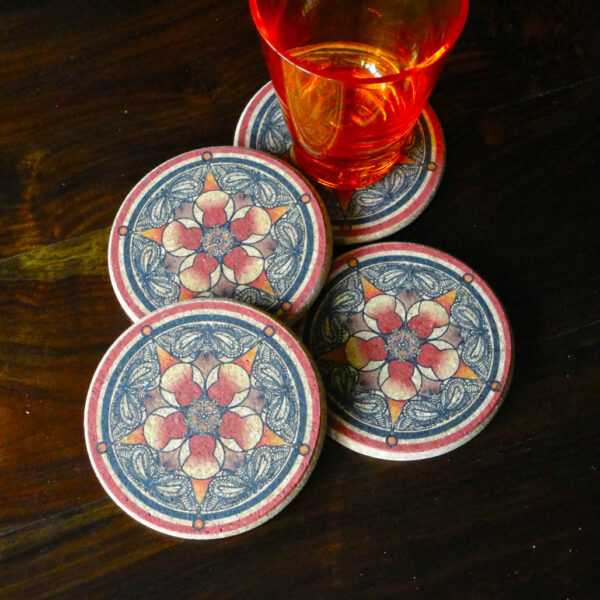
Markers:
point(96, 93)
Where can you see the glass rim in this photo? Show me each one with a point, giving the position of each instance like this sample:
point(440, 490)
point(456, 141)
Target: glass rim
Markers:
point(430, 60)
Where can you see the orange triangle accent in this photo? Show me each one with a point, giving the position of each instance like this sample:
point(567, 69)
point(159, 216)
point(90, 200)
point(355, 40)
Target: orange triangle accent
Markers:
point(185, 294)
point(395, 407)
point(447, 300)
point(464, 372)
point(370, 289)
point(165, 359)
point(210, 183)
point(246, 360)
point(277, 212)
point(344, 197)
point(262, 283)
point(135, 437)
point(404, 159)
point(339, 354)
point(200, 488)
point(154, 234)
point(270, 438)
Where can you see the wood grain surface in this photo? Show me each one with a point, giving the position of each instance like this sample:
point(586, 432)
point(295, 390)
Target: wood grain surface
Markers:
point(93, 95)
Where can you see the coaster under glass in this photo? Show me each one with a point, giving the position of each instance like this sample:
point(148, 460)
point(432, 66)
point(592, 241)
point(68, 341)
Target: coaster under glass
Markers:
point(370, 213)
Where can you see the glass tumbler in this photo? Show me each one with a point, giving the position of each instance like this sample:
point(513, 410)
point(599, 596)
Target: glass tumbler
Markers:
point(353, 76)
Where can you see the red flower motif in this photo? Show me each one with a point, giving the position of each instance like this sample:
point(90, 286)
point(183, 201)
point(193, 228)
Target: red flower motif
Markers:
point(204, 417)
point(218, 240)
point(404, 346)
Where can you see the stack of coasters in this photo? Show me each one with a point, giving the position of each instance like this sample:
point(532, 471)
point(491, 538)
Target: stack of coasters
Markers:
point(226, 222)
point(376, 211)
point(204, 419)
point(207, 416)
point(414, 349)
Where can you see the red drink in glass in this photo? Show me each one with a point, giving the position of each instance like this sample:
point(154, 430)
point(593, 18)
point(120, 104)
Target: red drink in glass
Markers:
point(353, 76)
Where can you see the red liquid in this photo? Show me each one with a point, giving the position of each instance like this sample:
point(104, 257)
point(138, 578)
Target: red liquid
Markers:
point(349, 105)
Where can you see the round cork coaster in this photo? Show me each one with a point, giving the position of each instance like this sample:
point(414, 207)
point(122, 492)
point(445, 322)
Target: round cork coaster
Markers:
point(221, 222)
point(373, 212)
point(414, 349)
point(204, 419)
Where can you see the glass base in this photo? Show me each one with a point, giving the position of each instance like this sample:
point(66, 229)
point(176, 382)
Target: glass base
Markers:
point(341, 174)
point(359, 214)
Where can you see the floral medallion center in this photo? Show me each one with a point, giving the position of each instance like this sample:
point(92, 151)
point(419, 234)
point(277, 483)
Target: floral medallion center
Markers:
point(217, 242)
point(412, 349)
point(403, 344)
point(203, 417)
point(218, 239)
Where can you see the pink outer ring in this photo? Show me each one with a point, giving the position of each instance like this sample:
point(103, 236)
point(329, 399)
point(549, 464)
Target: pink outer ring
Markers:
point(306, 294)
point(412, 451)
point(292, 486)
point(247, 118)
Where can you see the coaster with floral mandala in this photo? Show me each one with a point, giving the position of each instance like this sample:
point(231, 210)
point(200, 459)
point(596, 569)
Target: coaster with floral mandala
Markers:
point(220, 222)
point(414, 350)
point(204, 419)
point(373, 212)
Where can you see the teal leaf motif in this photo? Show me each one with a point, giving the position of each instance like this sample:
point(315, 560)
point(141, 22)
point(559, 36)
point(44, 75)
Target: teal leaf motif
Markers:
point(428, 283)
point(264, 190)
point(229, 489)
point(476, 350)
point(349, 299)
point(174, 488)
point(425, 413)
point(224, 342)
point(159, 211)
point(391, 278)
point(466, 318)
point(140, 462)
point(160, 287)
point(139, 376)
point(129, 414)
point(454, 395)
point(342, 378)
point(159, 208)
point(380, 195)
point(271, 377)
point(275, 137)
point(169, 488)
point(163, 289)
point(422, 411)
point(185, 189)
point(150, 255)
point(370, 406)
point(287, 231)
point(328, 330)
point(269, 372)
point(255, 297)
point(143, 463)
point(282, 267)
point(281, 415)
point(143, 371)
